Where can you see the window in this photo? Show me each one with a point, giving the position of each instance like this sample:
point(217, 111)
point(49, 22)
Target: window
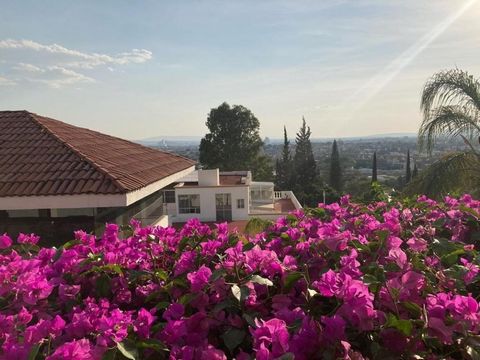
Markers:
point(169, 196)
point(189, 204)
point(240, 203)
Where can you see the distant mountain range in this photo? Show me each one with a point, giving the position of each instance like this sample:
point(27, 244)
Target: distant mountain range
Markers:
point(195, 140)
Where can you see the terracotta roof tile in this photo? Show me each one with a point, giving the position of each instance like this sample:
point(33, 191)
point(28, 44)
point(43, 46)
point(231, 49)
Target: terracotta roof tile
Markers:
point(43, 156)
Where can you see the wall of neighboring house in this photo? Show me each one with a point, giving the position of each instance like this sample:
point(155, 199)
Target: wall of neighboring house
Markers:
point(208, 204)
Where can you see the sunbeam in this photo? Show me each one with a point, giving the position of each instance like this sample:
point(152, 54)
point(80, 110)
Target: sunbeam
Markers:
point(371, 88)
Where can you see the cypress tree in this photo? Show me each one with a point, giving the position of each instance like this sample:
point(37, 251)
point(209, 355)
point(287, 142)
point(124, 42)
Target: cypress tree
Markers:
point(415, 170)
point(408, 174)
point(335, 168)
point(374, 167)
point(305, 177)
point(284, 165)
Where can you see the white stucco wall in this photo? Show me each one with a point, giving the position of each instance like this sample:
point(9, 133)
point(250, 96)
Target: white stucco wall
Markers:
point(209, 177)
point(207, 202)
point(164, 221)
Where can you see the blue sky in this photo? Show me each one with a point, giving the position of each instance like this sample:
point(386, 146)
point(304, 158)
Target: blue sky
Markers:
point(138, 69)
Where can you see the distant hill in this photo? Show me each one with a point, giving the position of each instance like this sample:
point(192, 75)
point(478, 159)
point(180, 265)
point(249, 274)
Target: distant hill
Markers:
point(166, 141)
point(170, 141)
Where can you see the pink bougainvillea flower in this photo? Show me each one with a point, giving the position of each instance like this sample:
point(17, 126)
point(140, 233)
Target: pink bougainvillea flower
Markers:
point(314, 283)
point(272, 334)
point(5, 241)
point(198, 279)
point(75, 350)
point(28, 239)
point(143, 323)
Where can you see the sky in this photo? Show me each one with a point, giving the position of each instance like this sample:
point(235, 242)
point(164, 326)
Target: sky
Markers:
point(148, 68)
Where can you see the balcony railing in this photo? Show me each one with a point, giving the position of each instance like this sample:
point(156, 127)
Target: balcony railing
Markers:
point(288, 195)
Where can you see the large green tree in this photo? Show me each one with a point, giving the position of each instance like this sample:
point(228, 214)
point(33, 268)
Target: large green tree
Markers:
point(283, 179)
point(451, 108)
point(234, 142)
point(374, 167)
point(335, 176)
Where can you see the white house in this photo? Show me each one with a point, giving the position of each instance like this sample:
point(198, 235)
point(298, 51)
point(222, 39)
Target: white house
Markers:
point(211, 195)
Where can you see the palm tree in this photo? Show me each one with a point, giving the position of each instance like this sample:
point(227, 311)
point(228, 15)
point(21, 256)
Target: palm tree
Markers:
point(451, 108)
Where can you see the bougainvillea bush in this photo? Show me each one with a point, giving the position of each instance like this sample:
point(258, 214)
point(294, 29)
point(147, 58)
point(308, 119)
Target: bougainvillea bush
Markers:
point(350, 281)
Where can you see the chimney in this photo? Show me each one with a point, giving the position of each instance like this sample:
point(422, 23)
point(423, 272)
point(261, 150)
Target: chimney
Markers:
point(209, 177)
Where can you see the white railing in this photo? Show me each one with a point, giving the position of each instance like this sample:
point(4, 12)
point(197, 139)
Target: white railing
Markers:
point(277, 195)
point(288, 195)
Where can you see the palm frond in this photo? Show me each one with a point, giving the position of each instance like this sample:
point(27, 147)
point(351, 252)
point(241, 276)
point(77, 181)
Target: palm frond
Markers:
point(452, 172)
point(450, 121)
point(450, 87)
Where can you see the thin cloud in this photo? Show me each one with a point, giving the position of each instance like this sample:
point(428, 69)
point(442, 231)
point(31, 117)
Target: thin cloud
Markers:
point(28, 68)
point(60, 66)
point(6, 82)
point(87, 60)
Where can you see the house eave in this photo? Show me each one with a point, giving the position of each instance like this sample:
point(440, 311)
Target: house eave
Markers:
point(88, 200)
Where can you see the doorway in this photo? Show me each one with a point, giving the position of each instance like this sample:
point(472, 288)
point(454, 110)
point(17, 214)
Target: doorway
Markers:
point(223, 204)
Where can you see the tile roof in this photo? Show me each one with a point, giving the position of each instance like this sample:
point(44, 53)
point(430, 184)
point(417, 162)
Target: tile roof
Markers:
point(226, 180)
point(43, 156)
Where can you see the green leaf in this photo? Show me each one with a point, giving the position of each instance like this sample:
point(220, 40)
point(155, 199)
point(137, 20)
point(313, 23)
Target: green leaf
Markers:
point(287, 356)
point(187, 298)
point(103, 286)
point(161, 274)
point(115, 268)
point(58, 254)
point(183, 244)
point(443, 247)
point(232, 338)
point(392, 267)
point(404, 326)
point(318, 213)
point(128, 351)
point(370, 279)
point(472, 352)
point(34, 352)
point(312, 292)
point(71, 243)
point(153, 344)
point(162, 305)
point(225, 304)
point(248, 246)
point(469, 210)
point(291, 279)
point(249, 319)
point(236, 291)
point(382, 235)
point(359, 246)
point(153, 295)
point(412, 308)
point(217, 274)
point(110, 354)
point(261, 280)
point(452, 258)
point(240, 293)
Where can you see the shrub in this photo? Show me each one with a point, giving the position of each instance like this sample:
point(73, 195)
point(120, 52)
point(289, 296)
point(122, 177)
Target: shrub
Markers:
point(340, 281)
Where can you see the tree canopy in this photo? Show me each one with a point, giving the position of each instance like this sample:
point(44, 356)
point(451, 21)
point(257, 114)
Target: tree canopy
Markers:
point(234, 142)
